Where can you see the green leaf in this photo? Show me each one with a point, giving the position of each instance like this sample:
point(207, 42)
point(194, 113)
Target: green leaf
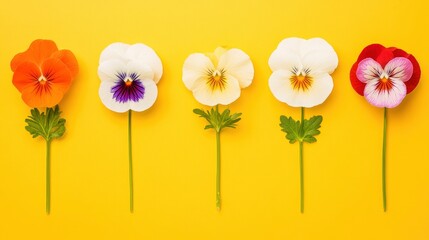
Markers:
point(47, 124)
point(295, 131)
point(311, 128)
point(218, 120)
point(291, 128)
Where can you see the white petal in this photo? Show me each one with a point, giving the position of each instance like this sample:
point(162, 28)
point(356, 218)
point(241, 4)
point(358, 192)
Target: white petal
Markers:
point(143, 70)
point(287, 55)
point(107, 99)
point(369, 70)
point(147, 56)
point(108, 70)
point(320, 89)
point(238, 64)
point(399, 68)
point(204, 94)
point(383, 98)
point(282, 89)
point(194, 68)
point(318, 55)
point(149, 98)
point(114, 51)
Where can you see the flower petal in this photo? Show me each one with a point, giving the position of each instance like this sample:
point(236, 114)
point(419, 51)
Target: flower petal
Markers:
point(58, 75)
point(41, 97)
point(400, 69)
point(368, 69)
point(377, 52)
point(115, 51)
point(108, 70)
point(194, 68)
point(26, 75)
point(204, 94)
point(149, 98)
point(371, 51)
point(287, 55)
point(38, 51)
point(68, 58)
point(318, 55)
point(415, 78)
point(357, 85)
point(146, 55)
point(385, 98)
point(139, 68)
point(238, 64)
point(282, 89)
point(107, 99)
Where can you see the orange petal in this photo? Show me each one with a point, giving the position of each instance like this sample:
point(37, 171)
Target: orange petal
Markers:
point(68, 58)
point(41, 96)
point(38, 51)
point(57, 74)
point(25, 76)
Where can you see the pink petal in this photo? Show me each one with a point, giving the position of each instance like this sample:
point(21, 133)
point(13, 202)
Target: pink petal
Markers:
point(368, 70)
point(399, 68)
point(385, 98)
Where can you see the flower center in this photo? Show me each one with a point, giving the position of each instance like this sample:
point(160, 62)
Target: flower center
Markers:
point(385, 84)
point(301, 82)
point(128, 88)
point(42, 80)
point(216, 79)
point(128, 82)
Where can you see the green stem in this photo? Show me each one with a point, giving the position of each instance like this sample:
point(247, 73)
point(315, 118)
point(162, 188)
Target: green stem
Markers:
point(384, 160)
point(301, 162)
point(48, 177)
point(130, 158)
point(218, 200)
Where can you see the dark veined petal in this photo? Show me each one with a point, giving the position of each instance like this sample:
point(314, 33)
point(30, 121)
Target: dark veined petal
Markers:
point(26, 75)
point(415, 78)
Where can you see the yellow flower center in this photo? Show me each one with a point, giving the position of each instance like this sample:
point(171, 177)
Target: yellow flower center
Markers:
point(42, 80)
point(301, 82)
point(216, 79)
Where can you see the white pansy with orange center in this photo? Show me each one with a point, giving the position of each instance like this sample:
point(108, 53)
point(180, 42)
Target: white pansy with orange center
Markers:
point(217, 78)
point(301, 71)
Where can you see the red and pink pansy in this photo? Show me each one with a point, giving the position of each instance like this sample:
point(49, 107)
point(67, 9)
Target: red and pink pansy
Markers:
point(384, 76)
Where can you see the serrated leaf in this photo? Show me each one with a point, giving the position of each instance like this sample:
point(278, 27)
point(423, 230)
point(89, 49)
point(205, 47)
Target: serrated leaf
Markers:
point(200, 112)
point(291, 128)
point(295, 131)
point(47, 124)
point(218, 120)
point(311, 127)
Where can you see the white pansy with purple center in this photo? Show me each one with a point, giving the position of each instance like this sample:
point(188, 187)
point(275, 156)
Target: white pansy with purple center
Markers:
point(385, 87)
point(129, 74)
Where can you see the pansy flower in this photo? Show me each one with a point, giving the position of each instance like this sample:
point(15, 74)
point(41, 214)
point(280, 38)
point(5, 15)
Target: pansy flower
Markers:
point(301, 78)
point(129, 74)
point(43, 74)
point(217, 79)
point(384, 76)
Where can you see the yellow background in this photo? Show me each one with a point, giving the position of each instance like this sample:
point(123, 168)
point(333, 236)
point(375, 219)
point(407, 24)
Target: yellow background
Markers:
point(174, 158)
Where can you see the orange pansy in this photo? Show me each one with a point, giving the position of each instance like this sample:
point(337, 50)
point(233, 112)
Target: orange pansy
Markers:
point(43, 74)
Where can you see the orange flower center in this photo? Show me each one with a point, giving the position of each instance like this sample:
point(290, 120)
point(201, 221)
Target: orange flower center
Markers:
point(301, 82)
point(128, 82)
point(42, 80)
point(385, 84)
point(216, 79)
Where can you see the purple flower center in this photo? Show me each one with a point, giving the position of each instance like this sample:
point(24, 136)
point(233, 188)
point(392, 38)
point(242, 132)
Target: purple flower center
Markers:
point(128, 88)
